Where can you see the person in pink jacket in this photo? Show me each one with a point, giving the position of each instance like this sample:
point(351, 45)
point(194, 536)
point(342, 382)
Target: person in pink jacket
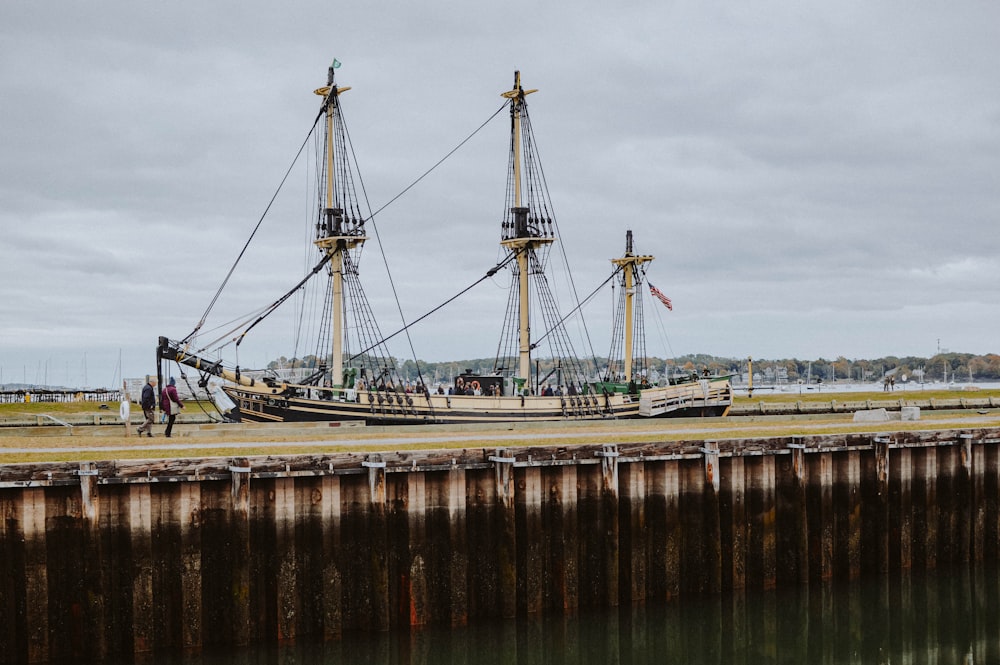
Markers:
point(170, 404)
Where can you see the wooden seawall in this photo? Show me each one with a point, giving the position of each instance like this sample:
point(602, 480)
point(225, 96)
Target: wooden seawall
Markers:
point(111, 558)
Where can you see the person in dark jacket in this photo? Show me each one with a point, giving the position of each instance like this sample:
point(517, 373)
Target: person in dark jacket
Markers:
point(170, 404)
point(148, 404)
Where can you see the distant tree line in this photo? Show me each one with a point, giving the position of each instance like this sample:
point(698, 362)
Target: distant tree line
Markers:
point(943, 366)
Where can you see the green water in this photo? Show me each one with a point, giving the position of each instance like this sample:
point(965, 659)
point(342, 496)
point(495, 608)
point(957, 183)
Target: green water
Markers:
point(946, 617)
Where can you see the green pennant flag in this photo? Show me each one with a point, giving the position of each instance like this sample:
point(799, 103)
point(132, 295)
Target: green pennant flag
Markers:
point(336, 63)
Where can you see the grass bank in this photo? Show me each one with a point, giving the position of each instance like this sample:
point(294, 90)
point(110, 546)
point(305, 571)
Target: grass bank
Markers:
point(191, 441)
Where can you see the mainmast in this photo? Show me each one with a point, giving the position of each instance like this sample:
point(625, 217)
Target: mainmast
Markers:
point(523, 234)
point(630, 264)
point(337, 232)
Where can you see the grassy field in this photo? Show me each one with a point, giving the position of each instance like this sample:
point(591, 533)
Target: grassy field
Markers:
point(827, 394)
point(81, 444)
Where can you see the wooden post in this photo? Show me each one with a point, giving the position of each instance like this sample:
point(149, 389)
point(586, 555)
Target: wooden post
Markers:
point(503, 470)
point(634, 535)
point(379, 607)
point(931, 477)
point(794, 556)
point(333, 583)
point(94, 621)
point(901, 526)
point(875, 504)
point(712, 547)
point(530, 551)
point(289, 602)
point(88, 493)
point(822, 531)
point(140, 530)
point(610, 520)
point(561, 537)
point(668, 485)
point(190, 523)
point(458, 560)
point(240, 527)
point(36, 587)
point(417, 587)
point(964, 494)
point(733, 524)
point(979, 501)
point(849, 536)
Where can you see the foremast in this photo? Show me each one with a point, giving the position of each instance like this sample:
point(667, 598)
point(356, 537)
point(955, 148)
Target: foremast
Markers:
point(520, 235)
point(337, 232)
point(630, 265)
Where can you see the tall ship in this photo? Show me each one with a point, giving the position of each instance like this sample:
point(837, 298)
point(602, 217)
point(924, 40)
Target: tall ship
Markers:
point(357, 378)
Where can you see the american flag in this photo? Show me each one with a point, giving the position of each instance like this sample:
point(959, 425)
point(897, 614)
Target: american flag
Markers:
point(658, 294)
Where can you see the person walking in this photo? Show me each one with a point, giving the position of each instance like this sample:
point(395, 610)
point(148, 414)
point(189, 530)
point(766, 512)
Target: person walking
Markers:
point(148, 404)
point(170, 404)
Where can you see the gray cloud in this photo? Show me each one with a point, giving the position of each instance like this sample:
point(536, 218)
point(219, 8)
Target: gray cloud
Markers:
point(814, 179)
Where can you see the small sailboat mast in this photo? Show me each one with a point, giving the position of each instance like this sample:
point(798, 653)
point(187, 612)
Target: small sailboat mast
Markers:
point(630, 265)
point(336, 233)
point(521, 236)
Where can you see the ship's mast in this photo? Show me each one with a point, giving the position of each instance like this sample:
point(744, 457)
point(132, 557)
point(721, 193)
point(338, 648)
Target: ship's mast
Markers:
point(525, 238)
point(332, 237)
point(630, 264)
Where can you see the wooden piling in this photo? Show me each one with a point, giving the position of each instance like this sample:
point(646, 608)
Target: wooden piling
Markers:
point(712, 529)
point(238, 587)
point(36, 583)
point(608, 554)
point(795, 550)
point(332, 576)
point(963, 492)
point(286, 565)
point(823, 521)
point(506, 542)
point(376, 614)
point(634, 539)
point(925, 508)
point(190, 582)
point(140, 530)
point(530, 547)
point(990, 503)
point(733, 524)
point(457, 569)
point(874, 495)
point(560, 538)
point(408, 538)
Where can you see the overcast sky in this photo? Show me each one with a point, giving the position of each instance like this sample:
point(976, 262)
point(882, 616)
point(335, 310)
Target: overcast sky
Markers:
point(815, 179)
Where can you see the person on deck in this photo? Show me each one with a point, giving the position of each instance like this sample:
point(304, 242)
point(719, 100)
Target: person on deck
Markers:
point(148, 404)
point(170, 404)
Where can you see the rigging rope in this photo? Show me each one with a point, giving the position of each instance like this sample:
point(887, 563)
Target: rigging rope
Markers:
point(492, 271)
point(392, 284)
point(577, 308)
point(260, 221)
point(256, 228)
point(538, 173)
point(277, 303)
point(437, 164)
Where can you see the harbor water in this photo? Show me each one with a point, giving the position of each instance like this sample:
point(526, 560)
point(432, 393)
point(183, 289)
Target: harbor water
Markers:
point(946, 616)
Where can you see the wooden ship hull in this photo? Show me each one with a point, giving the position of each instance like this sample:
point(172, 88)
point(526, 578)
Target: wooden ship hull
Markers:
point(261, 404)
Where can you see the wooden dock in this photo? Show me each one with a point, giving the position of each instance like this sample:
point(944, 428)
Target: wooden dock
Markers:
point(118, 558)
